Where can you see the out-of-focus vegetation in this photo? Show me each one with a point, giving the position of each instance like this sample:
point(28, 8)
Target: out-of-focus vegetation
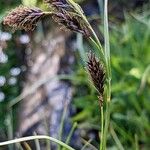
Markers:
point(130, 58)
point(5, 4)
point(9, 71)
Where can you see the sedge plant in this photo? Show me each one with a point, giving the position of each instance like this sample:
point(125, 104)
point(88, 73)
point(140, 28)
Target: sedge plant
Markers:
point(70, 16)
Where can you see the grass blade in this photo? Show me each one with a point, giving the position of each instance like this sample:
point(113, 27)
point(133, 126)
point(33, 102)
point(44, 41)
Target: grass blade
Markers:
point(39, 137)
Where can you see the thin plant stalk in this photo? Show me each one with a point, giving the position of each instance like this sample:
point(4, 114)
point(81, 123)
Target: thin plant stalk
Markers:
point(62, 124)
point(106, 125)
point(9, 125)
point(39, 137)
point(37, 142)
point(48, 143)
point(136, 143)
point(77, 7)
point(100, 50)
point(18, 146)
point(70, 134)
point(88, 143)
point(27, 146)
point(116, 139)
point(102, 127)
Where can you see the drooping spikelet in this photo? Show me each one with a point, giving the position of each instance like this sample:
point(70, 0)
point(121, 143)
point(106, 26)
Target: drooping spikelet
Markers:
point(97, 73)
point(63, 12)
point(23, 17)
point(65, 15)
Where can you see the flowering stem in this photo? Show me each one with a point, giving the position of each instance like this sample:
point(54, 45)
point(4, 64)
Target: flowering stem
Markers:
point(108, 73)
point(105, 56)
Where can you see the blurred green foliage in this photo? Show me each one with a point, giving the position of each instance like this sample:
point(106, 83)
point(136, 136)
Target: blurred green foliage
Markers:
point(7, 4)
point(130, 110)
point(11, 87)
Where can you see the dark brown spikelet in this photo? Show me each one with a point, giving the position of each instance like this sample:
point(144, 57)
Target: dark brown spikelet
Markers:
point(97, 73)
point(67, 17)
point(23, 17)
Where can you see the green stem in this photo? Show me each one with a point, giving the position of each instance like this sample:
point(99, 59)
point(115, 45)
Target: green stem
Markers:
point(101, 52)
point(116, 139)
point(107, 120)
point(70, 134)
point(108, 74)
point(62, 125)
point(102, 128)
point(96, 38)
point(106, 35)
point(107, 112)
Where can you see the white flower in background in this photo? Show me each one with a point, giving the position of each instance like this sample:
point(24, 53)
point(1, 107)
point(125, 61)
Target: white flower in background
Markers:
point(24, 39)
point(2, 81)
point(3, 57)
point(5, 36)
point(2, 96)
point(12, 81)
point(15, 71)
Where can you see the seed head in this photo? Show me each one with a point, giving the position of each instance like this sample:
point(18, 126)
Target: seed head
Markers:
point(66, 16)
point(97, 73)
point(62, 12)
point(23, 17)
